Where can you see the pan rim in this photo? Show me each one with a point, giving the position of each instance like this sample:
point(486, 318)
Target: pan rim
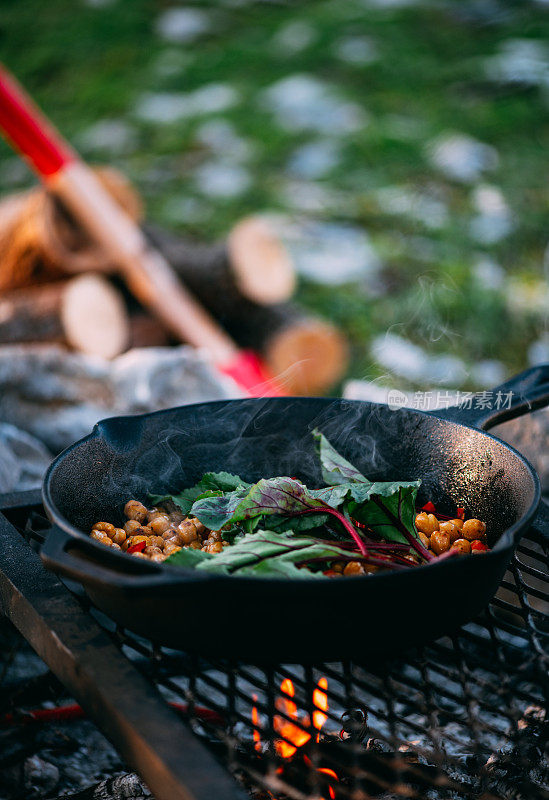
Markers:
point(506, 542)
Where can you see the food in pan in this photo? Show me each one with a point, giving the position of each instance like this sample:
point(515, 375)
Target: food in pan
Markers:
point(278, 527)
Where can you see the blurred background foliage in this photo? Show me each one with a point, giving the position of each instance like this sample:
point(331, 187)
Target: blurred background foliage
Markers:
point(414, 133)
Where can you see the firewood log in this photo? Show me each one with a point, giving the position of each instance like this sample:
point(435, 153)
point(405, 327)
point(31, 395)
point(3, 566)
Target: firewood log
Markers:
point(85, 312)
point(307, 354)
point(39, 241)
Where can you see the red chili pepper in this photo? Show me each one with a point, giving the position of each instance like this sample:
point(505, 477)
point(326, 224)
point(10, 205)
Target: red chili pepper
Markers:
point(429, 508)
point(478, 547)
point(460, 513)
point(137, 548)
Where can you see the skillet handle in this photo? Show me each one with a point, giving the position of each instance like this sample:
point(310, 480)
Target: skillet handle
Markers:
point(93, 564)
point(515, 397)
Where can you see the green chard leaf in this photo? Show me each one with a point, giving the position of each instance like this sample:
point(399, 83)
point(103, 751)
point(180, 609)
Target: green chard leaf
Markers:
point(263, 554)
point(210, 485)
point(386, 505)
point(335, 468)
point(282, 496)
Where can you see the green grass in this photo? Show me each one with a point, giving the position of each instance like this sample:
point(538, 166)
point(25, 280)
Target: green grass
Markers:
point(84, 64)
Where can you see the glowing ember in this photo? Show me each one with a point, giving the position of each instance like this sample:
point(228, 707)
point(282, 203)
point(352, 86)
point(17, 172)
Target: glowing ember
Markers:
point(255, 722)
point(320, 701)
point(294, 734)
point(333, 775)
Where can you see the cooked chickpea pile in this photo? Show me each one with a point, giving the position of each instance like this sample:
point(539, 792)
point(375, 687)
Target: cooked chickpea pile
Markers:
point(437, 536)
point(156, 533)
point(458, 535)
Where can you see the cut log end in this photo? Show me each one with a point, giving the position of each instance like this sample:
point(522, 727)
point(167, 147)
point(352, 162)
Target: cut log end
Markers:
point(307, 358)
point(260, 264)
point(94, 317)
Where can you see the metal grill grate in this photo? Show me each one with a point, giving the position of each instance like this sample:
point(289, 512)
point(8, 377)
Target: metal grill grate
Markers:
point(462, 717)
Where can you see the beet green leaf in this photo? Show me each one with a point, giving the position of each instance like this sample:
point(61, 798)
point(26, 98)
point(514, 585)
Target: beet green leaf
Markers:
point(264, 554)
point(335, 468)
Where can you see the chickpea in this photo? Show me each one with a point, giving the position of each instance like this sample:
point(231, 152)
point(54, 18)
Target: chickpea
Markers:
point(177, 540)
point(169, 549)
point(338, 566)
point(115, 546)
point(169, 533)
point(423, 539)
point(106, 527)
point(216, 536)
point(215, 547)
point(473, 529)
point(458, 523)
point(101, 536)
point(187, 533)
point(158, 557)
point(353, 568)
point(137, 554)
point(119, 536)
point(152, 513)
point(440, 542)
point(135, 510)
point(156, 541)
point(150, 550)
point(452, 530)
point(131, 526)
point(159, 524)
point(200, 528)
point(194, 546)
point(225, 544)
point(426, 523)
point(461, 546)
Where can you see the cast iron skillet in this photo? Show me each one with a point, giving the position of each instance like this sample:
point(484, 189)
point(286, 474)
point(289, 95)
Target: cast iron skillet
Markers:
point(299, 620)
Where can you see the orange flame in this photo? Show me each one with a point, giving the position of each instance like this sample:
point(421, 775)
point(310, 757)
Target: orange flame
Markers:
point(333, 775)
point(255, 723)
point(320, 700)
point(296, 735)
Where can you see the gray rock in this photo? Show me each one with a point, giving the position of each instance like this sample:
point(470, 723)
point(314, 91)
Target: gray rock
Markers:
point(182, 25)
point(40, 774)
point(293, 38)
point(218, 178)
point(302, 102)
point(461, 157)
point(520, 61)
point(58, 396)
point(113, 136)
point(315, 159)
point(328, 252)
point(409, 361)
point(23, 459)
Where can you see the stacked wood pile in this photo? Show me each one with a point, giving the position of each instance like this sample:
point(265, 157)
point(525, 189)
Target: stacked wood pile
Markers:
point(56, 286)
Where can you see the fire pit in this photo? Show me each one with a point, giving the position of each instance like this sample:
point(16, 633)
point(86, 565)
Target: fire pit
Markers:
point(463, 717)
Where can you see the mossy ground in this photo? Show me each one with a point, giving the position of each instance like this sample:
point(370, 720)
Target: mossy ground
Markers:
point(427, 77)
